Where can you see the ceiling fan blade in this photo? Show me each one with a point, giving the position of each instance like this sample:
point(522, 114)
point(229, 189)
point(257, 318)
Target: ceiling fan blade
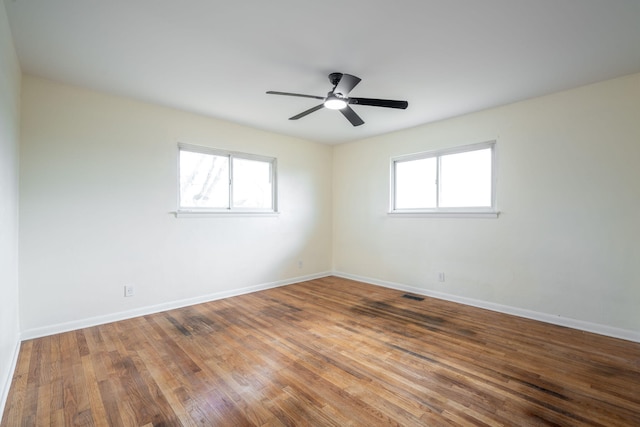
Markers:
point(309, 111)
point(273, 92)
point(346, 84)
point(379, 102)
point(352, 116)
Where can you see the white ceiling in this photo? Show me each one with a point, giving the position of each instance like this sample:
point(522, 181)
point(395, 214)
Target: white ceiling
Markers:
point(218, 58)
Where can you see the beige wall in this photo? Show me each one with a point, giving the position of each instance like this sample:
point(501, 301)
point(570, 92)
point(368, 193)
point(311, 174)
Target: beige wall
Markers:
point(9, 136)
point(98, 183)
point(566, 243)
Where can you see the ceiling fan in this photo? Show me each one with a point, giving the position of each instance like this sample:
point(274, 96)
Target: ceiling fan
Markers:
point(338, 99)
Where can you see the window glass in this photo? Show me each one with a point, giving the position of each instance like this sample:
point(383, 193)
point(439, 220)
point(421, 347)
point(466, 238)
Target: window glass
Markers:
point(416, 184)
point(251, 184)
point(466, 179)
point(204, 180)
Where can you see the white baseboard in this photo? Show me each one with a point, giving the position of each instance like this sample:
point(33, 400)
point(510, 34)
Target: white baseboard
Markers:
point(143, 311)
point(6, 385)
point(515, 311)
point(596, 328)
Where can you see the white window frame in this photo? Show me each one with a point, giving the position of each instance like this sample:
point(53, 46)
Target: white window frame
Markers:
point(207, 211)
point(471, 211)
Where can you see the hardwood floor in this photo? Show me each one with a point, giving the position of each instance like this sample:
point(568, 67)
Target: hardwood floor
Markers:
point(326, 352)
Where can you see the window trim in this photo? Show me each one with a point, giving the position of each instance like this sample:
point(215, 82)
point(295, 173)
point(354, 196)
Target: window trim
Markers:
point(204, 211)
point(439, 212)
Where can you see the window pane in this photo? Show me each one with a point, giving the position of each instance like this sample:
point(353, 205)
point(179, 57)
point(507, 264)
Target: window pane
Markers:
point(465, 179)
point(252, 184)
point(204, 180)
point(416, 184)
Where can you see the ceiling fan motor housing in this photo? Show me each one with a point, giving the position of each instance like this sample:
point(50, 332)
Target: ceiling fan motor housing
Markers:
point(334, 78)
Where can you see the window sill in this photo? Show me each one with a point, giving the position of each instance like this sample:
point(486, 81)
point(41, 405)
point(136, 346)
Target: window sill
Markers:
point(222, 214)
point(424, 214)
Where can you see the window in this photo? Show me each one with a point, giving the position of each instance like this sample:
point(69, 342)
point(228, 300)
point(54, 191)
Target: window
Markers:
point(213, 180)
point(453, 181)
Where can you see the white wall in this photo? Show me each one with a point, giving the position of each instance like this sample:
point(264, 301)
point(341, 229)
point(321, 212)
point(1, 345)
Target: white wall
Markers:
point(566, 243)
point(98, 183)
point(9, 136)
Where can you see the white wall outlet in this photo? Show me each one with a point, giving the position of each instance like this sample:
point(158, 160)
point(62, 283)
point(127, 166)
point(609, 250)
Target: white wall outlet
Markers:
point(300, 264)
point(129, 291)
point(440, 277)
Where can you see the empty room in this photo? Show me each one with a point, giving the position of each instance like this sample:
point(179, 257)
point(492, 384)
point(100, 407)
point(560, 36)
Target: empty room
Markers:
point(338, 213)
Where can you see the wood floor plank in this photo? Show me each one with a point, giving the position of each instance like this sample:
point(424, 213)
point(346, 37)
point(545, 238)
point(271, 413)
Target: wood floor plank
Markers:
point(326, 352)
point(98, 411)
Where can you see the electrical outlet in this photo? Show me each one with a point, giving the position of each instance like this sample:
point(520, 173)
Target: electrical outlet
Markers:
point(440, 277)
point(129, 291)
point(300, 264)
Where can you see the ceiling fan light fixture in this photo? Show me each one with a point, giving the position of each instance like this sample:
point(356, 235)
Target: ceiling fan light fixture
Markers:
point(334, 103)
